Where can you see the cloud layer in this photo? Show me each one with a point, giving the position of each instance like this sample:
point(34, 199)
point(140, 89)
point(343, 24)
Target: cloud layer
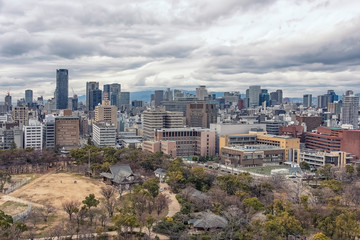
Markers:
point(298, 46)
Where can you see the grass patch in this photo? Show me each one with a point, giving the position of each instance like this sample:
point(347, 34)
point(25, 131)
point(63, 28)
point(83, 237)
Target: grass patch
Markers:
point(12, 208)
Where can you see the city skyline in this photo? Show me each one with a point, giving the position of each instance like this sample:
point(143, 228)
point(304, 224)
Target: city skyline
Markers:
point(301, 47)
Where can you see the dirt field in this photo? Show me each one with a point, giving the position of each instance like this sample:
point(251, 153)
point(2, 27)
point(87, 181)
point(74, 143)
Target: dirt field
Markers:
point(53, 189)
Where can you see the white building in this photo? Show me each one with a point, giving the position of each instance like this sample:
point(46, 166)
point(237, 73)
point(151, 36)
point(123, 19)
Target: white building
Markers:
point(104, 134)
point(33, 135)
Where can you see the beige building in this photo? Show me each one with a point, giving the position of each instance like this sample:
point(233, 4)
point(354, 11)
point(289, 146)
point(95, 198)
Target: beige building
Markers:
point(66, 131)
point(200, 114)
point(167, 147)
point(106, 113)
point(21, 115)
point(189, 141)
point(160, 119)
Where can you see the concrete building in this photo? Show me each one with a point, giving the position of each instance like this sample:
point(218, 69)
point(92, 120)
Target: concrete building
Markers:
point(252, 155)
point(318, 158)
point(125, 101)
point(106, 112)
point(202, 93)
point(8, 102)
point(201, 114)
point(280, 96)
point(49, 132)
point(67, 131)
point(254, 96)
point(273, 126)
point(93, 95)
point(350, 109)
point(33, 135)
point(160, 119)
point(307, 100)
point(61, 91)
point(21, 115)
point(310, 122)
point(167, 147)
point(189, 141)
point(158, 97)
point(104, 134)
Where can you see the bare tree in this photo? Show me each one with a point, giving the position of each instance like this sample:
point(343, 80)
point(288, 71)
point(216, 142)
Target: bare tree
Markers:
point(70, 207)
point(46, 212)
point(107, 192)
point(161, 203)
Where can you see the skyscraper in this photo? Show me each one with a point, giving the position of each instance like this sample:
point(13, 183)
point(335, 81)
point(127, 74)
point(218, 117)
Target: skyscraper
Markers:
point(8, 101)
point(28, 97)
point(350, 109)
point(254, 96)
point(307, 100)
point(125, 101)
point(113, 93)
point(280, 96)
point(202, 93)
point(61, 91)
point(158, 97)
point(91, 86)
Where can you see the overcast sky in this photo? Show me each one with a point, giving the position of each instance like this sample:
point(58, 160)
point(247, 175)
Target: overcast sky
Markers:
point(300, 46)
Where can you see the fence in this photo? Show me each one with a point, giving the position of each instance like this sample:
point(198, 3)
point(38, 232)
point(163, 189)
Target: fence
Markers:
point(16, 185)
point(23, 215)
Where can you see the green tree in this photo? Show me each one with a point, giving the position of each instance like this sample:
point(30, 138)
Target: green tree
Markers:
point(335, 185)
point(5, 177)
point(350, 169)
point(200, 178)
point(91, 201)
point(253, 203)
point(325, 171)
point(152, 186)
point(305, 166)
point(149, 222)
point(232, 183)
point(320, 236)
point(346, 226)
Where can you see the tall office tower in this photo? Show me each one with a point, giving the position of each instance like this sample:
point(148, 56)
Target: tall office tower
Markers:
point(66, 131)
point(21, 115)
point(95, 98)
point(201, 114)
point(28, 97)
point(202, 93)
point(106, 113)
point(178, 93)
point(91, 86)
point(274, 98)
point(168, 95)
point(74, 102)
point(33, 135)
point(8, 101)
point(158, 97)
point(280, 96)
point(254, 95)
point(125, 101)
point(350, 109)
point(307, 100)
point(49, 132)
point(61, 91)
point(265, 97)
point(323, 101)
point(160, 119)
point(113, 93)
point(332, 96)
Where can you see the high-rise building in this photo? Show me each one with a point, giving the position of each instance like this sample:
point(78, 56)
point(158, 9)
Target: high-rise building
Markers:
point(21, 115)
point(125, 101)
point(307, 100)
point(28, 97)
point(323, 101)
point(106, 113)
point(201, 114)
point(66, 131)
point(8, 101)
point(33, 135)
point(202, 93)
point(280, 96)
point(95, 98)
point(158, 97)
point(264, 97)
point(104, 134)
point(91, 86)
point(168, 95)
point(332, 96)
point(49, 132)
point(178, 93)
point(254, 95)
point(61, 91)
point(113, 93)
point(274, 98)
point(350, 109)
point(160, 119)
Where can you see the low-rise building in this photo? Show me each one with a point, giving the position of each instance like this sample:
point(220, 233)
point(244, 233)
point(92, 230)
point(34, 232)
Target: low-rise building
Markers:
point(33, 135)
point(104, 134)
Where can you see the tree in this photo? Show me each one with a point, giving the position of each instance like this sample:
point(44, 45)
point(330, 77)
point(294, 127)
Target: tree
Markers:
point(253, 203)
point(91, 201)
point(161, 202)
point(5, 177)
point(70, 207)
point(10, 229)
point(333, 184)
point(149, 221)
point(320, 236)
point(305, 166)
point(346, 226)
point(200, 178)
point(350, 169)
point(107, 192)
point(152, 186)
